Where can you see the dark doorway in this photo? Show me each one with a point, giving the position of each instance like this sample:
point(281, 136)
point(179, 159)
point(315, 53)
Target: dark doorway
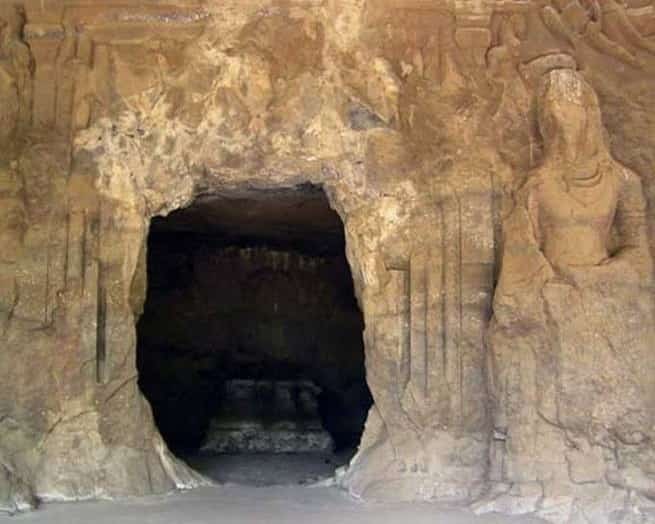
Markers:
point(250, 346)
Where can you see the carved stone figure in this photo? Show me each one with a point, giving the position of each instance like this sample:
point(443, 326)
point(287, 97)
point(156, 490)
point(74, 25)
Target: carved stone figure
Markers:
point(15, 72)
point(602, 24)
point(509, 88)
point(572, 373)
point(8, 89)
point(580, 192)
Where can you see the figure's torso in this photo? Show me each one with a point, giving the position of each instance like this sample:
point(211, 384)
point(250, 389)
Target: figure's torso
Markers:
point(574, 225)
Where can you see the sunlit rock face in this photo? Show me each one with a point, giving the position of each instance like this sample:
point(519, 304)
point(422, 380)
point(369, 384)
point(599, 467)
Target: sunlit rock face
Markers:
point(493, 168)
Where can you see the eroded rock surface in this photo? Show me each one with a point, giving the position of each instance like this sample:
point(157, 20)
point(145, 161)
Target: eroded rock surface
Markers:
point(438, 129)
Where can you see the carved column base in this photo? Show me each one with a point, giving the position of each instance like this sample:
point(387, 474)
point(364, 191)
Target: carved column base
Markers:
point(451, 469)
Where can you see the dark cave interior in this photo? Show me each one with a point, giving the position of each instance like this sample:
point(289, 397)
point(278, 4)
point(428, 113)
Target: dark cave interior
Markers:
point(251, 336)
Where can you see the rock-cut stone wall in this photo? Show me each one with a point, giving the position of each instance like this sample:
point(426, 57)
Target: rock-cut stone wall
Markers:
point(493, 164)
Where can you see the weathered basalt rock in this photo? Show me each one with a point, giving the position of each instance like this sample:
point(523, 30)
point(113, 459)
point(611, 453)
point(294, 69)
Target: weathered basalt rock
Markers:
point(461, 143)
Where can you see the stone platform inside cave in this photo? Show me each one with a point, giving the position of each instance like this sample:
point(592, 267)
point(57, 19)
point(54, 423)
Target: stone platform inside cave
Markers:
point(267, 416)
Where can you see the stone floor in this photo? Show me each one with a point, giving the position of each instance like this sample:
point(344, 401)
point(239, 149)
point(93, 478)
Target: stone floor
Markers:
point(252, 505)
point(256, 489)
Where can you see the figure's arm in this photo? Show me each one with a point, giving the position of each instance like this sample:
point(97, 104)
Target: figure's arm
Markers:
point(524, 268)
point(630, 32)
point(632, 225)
point(595, 37)
point(532, 205)
point(5, 76)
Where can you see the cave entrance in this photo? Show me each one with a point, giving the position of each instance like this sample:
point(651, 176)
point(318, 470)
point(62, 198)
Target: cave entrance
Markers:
point(250, 345)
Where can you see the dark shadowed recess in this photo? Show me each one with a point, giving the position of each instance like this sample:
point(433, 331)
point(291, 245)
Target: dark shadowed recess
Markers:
point(252, 285)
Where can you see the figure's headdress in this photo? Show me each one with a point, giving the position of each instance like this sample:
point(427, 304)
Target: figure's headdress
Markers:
point(567, 85)
point(542, 65)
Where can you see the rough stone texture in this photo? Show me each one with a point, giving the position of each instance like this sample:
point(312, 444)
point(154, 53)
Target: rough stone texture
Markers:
point(419, 119)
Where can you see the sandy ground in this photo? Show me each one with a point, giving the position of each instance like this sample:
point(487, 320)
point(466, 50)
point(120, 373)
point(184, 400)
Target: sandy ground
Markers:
point(256, 489)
